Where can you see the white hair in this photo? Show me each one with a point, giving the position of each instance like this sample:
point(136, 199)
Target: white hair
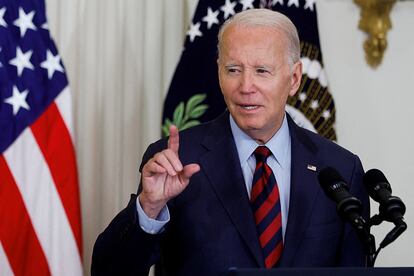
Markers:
point(266, 18)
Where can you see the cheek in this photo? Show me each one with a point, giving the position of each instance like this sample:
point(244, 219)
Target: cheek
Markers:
point(279, 91)
point(228, 86)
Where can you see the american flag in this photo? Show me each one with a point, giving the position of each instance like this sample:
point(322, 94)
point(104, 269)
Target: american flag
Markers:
point(40, 227)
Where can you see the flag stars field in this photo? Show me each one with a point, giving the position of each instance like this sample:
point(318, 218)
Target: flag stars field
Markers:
point(51, 64)
point(18, 100)
point(247, 4)
point(293, 2)
point(22, 61)
point(228, 9)
point(2, 22)
point(310, 4)
point(194, 31)
point(274, 2)
point(211, 17)
point(25, 21)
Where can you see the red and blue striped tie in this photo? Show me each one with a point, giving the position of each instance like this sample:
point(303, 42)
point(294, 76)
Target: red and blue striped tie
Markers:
point(266, 208)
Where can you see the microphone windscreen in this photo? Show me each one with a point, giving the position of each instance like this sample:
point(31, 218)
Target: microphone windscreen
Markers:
point(377, 185)
point(373, 177)
point(329, 176)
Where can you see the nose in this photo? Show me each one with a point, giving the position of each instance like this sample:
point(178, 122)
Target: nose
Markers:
point(247, 82)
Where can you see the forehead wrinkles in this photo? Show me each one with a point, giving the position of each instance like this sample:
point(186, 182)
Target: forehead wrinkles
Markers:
point(252, 45)
point(251, 57)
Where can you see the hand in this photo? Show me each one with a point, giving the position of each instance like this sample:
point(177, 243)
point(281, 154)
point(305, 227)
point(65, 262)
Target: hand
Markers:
point(164, 177)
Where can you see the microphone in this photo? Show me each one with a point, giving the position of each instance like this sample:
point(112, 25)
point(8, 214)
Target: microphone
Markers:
point(348, 207)
point(379, 189)
point(391, 208)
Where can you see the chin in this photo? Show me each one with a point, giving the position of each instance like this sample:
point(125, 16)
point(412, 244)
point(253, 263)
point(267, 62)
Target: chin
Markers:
point(248, 127)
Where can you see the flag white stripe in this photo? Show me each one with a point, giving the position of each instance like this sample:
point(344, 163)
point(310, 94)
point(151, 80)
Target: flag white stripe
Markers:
point(64, 104)
point(5, 268)
point(44, 206)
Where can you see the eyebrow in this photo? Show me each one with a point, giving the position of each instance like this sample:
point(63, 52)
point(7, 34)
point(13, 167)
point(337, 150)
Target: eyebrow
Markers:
point(232, 65)
point(266, 66)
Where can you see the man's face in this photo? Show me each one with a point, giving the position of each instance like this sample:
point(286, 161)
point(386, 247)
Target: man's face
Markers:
point(256, 79)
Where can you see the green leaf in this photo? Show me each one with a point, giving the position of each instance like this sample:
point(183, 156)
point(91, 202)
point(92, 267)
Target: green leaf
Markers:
point(190, 124)
point(194, 101)
point(165, 131)
point(178, 115)
point(198, 111)
point(166, 127)
point(183, 114)
point(168, 123)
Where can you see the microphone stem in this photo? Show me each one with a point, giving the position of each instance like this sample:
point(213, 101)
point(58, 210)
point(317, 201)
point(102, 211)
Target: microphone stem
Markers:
point(368, 242)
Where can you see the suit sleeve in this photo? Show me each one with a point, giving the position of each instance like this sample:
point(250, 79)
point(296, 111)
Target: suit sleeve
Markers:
point(352, 251)
point(123, 248)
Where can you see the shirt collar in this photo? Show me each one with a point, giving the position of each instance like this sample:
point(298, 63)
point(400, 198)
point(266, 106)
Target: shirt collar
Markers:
point(278, 144)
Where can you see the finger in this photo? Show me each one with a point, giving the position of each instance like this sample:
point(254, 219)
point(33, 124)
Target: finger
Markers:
point(163, 161)
point(173, 159)
point(174, 139)
point(152, 168)
point(189, 170)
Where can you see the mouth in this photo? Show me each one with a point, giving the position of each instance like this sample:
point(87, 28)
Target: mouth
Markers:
point(249, 107)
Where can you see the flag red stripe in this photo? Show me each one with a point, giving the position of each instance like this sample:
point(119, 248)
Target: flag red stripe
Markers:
point(55, 142)
point(17, 234)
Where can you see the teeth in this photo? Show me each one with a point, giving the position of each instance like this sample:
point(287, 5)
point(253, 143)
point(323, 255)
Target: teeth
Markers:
point(249, 107)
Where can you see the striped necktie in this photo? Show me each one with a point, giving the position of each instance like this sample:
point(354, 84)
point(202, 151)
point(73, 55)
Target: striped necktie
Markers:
point(266, 209)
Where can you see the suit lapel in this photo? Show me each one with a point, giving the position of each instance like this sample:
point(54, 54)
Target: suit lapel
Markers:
point(222, 167)
point(303, 191)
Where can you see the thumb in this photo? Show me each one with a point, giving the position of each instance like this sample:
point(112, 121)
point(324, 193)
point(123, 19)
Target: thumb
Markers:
point(189, 170)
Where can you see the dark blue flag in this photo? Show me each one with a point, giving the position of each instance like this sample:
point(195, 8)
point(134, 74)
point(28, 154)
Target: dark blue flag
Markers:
point(194, 95)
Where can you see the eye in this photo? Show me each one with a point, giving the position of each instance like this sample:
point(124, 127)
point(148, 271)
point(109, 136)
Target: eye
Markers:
point(262, 71)
point(233, 70)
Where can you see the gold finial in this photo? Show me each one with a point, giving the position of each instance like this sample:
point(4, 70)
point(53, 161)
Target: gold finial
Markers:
point(375, 21)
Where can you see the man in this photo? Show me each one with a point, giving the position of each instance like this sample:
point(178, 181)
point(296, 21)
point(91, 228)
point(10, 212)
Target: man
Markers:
point(242, 190)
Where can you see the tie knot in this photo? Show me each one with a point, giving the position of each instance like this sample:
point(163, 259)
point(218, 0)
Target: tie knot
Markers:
point(262, 153)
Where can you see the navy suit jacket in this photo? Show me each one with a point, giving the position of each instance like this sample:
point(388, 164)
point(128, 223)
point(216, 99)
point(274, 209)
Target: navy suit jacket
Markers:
point(212, 226)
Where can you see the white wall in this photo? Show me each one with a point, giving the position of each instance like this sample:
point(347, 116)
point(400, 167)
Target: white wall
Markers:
point(375, 118)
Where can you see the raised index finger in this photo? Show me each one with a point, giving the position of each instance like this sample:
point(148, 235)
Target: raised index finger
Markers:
point(174, 140)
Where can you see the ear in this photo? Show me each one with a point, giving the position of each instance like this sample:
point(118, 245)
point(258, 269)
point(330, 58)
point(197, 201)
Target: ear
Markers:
point(296, 78)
